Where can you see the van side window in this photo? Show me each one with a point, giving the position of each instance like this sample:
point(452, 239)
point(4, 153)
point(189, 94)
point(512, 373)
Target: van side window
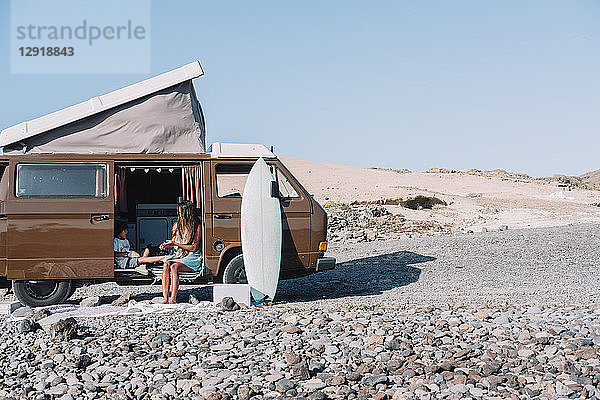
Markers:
point(62, 180)
point(231, 179)
point(285, 186)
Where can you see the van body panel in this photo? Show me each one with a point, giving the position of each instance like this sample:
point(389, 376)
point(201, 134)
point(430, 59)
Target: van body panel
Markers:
point(3, 231)
point(60, 238)
point(318, 227)
point(297, 215)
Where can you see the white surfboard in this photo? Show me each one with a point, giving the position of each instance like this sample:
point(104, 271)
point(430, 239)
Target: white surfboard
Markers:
point(261, 232)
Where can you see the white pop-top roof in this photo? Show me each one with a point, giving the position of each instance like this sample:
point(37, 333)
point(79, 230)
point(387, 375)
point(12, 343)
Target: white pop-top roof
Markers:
point(225, 150)
point(95, 105)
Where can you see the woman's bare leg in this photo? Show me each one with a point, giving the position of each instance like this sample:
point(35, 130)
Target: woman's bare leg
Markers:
point(165, 281)
point(174, 283)
point(148, 260)
point(175, 269)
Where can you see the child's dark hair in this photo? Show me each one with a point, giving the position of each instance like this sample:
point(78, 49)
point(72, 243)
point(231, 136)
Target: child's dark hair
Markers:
point(120, 227)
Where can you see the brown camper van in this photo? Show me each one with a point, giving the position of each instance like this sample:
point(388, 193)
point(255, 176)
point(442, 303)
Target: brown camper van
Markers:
point(59, 203)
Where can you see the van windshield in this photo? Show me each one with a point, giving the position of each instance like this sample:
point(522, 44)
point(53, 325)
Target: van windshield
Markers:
point(3, 183)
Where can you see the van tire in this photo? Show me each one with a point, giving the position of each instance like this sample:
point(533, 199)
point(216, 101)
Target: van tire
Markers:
point(73, 289)
point(234, 271)
point(40, 293)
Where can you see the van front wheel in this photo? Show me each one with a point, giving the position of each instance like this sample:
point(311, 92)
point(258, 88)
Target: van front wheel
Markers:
point(234, 271)
point(43, 292)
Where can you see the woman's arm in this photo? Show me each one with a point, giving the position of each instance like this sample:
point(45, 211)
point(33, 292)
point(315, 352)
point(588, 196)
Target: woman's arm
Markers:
point(167, 244)
point(194, 245)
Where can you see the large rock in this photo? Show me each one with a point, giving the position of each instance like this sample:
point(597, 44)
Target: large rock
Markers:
point(186, 385)
point(122, 300)
point(283, 385)
point(373, 380)
point(63, 330)
point(82, 361)
point(194, 300)
point(291, 329)
point(27, 325)
point(291, 358)
point(22, 312)
point(40, 315)
point(47, 322)
point(169, 390)
point(313, 384)
point(228, 304)
point(300, 370)
point(93, 301)
point(422, 202)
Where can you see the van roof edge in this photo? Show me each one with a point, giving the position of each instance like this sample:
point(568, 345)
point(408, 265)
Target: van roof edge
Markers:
point(239, 150)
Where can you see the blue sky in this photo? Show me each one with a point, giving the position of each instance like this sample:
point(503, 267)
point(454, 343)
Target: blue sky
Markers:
point(396, 84)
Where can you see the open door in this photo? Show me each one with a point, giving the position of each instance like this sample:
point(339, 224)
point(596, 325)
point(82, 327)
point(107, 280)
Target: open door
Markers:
point(60, 220)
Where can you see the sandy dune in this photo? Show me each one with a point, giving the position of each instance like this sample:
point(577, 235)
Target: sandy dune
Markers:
point(475, 200)
point(592, 177)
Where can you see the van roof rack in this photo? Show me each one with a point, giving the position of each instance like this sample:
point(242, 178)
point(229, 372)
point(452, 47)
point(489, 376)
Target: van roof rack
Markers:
point(238, 150)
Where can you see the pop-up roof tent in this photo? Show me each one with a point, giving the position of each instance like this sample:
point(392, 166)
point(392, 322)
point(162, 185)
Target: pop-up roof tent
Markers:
point(158, 115)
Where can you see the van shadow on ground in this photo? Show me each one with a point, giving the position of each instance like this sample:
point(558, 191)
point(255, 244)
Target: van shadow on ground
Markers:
point(361, 277)
point(201, 293)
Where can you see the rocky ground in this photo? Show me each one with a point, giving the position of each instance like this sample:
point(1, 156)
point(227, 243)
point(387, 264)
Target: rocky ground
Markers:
point(493, 315)
point(355, 223)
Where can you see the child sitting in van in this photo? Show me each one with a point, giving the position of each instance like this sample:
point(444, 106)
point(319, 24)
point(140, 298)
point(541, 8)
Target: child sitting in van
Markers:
point(127, 259)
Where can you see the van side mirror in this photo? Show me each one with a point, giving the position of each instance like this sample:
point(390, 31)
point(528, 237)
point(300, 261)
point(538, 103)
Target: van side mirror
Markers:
point(275, 190)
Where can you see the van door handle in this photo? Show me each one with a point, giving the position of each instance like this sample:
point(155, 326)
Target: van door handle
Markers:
point(99, 218)
point(223, 216)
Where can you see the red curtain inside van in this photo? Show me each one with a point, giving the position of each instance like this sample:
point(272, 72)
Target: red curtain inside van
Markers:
point(190, 183)
point(121, 189)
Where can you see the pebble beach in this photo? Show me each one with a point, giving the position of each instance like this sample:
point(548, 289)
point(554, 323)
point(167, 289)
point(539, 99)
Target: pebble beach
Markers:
point(490, 315)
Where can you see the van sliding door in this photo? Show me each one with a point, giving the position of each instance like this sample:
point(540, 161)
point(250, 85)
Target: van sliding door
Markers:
point(60, 220)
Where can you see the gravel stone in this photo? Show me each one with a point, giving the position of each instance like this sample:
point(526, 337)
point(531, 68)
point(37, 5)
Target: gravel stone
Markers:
point(313, 384)
point(283, 385)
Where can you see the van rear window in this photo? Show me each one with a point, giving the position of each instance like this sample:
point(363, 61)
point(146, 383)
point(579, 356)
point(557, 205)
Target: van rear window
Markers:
point(62, 180)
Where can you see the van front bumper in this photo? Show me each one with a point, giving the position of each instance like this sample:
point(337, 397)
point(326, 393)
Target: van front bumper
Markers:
point(325, 264)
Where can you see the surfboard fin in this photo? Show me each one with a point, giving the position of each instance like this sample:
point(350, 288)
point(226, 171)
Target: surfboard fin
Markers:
point(259, 299)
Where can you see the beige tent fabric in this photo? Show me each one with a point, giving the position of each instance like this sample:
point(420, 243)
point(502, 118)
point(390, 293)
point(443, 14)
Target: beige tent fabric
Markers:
point(168, 121)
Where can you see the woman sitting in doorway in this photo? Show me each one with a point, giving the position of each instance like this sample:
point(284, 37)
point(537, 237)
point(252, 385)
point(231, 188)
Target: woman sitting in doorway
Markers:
point(185, 239)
